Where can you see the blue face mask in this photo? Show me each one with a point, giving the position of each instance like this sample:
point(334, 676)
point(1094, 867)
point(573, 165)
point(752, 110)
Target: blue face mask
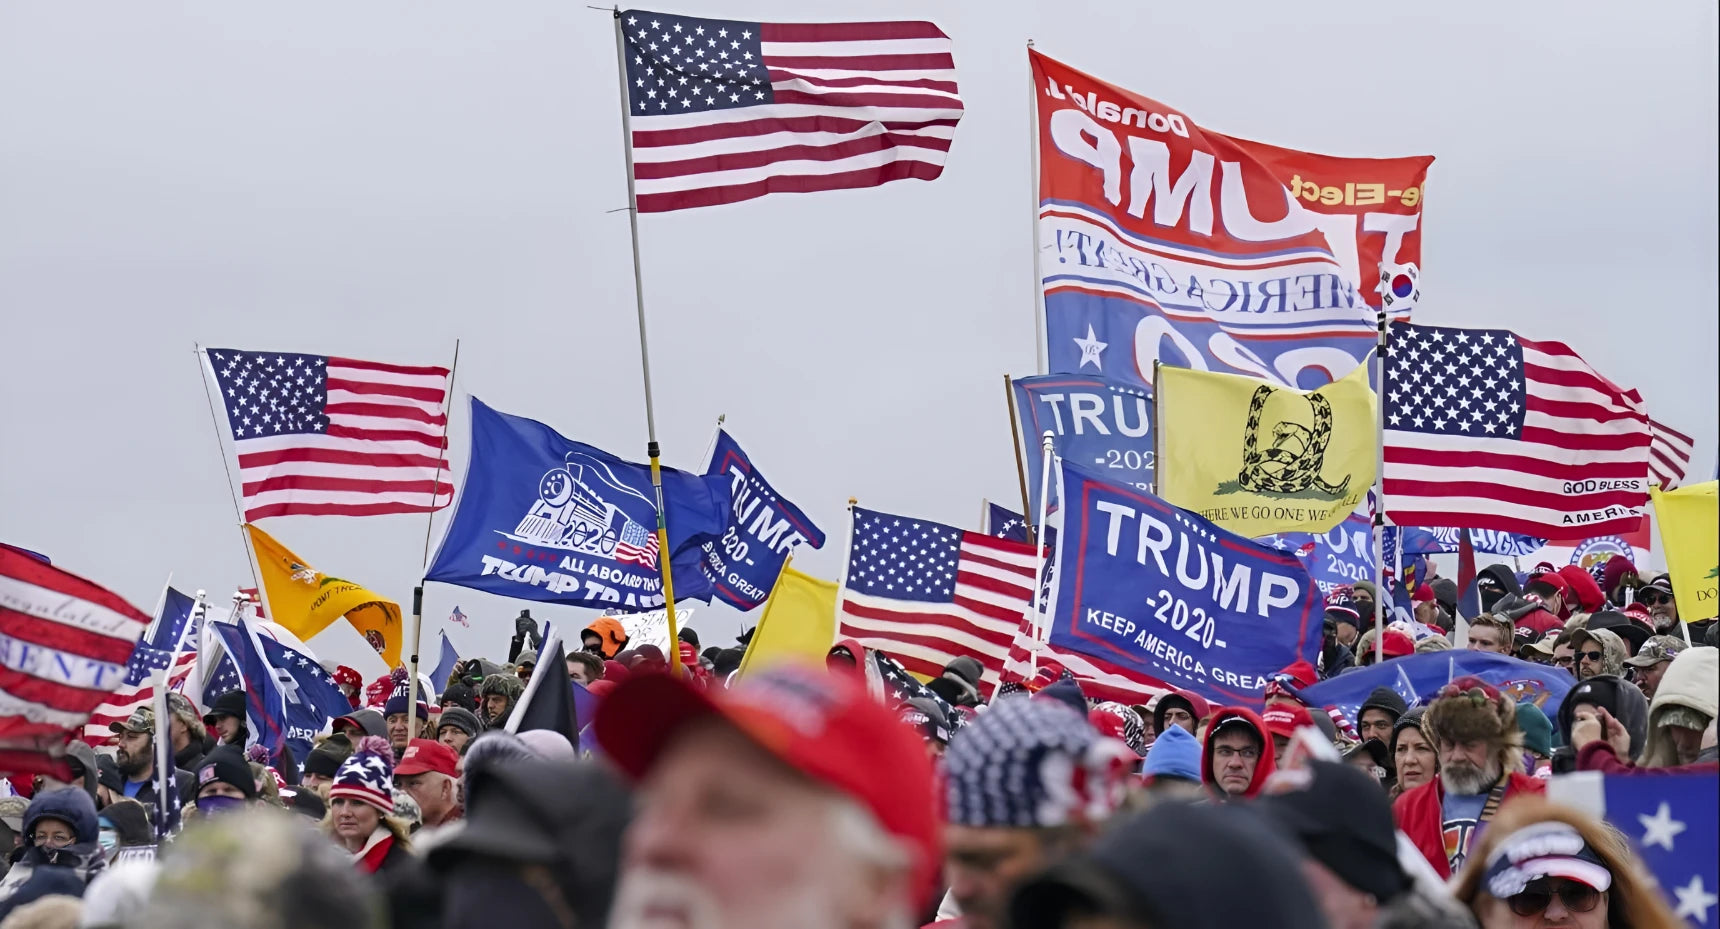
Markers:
point(108, 837)
point(219, 804)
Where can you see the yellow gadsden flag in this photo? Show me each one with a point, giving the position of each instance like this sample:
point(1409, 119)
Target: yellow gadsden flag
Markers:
point(1259, 459)
point(798, 624)
point(305, 600)
point(1689, 521)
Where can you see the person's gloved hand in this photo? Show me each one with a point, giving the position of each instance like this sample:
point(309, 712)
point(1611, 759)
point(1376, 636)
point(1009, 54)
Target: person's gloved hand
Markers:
point(524, 626)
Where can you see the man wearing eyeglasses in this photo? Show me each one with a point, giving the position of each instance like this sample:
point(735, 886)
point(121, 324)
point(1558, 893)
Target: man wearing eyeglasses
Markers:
point(1238, 756)
point(1657, 596)
point(1564, 653)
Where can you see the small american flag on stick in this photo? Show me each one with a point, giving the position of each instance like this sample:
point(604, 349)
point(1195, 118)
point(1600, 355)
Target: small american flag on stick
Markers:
point(724, 111)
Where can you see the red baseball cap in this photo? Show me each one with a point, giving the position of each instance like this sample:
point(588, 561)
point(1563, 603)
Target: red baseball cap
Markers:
point(1396, 644)
point(823, 725)
point(1285, 719)
point(423, 755)
point(1422, 594)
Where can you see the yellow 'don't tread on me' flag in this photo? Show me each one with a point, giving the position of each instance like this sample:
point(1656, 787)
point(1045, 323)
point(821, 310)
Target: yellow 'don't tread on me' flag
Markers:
point(306, 601)
point(1689, 522)
point(798, 623)
point(1259, 459)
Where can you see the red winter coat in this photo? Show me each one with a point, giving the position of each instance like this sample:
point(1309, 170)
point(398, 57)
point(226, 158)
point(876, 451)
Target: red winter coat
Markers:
point(1420, 814)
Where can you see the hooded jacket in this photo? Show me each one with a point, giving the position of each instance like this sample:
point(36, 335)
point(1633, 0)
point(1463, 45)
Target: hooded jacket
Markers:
point(1262, 768)
point(1691, 681)
point(508, 685)
point(1613, 652)
point(370, 721)
point(1617, 696)
point(38, 871)
point(86, 757)
point(611, 633)
point(1505, 579)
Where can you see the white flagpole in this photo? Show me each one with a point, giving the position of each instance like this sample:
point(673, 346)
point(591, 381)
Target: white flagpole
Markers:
point(1039, 631)
point(1380, 492)
point(263, 657)
point(652, 449)
point(1042, 355)
point(205, 371)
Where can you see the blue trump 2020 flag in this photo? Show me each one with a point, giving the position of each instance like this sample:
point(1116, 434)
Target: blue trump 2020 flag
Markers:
point(1418, 678)
point(542, 517)
point(1337, 557)
point(288, 696)
point(1161, 591)
point(1101, 424)
point(763, 527)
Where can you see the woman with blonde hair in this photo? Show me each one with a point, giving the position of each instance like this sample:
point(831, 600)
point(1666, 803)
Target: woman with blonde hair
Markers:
point(1541, 865)
point(361, 808)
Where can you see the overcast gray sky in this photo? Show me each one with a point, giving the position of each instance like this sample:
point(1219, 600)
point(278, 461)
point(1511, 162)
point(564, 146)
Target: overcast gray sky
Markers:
point(379, 179)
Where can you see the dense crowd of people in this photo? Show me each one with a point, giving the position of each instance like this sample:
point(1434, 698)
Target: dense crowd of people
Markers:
point(800, 797)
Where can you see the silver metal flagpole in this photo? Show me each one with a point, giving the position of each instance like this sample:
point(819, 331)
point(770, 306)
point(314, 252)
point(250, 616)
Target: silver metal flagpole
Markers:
point(1042, 356)
point(1039, 632)
point(651, 447)
point(1380, 492)
point(429, 521)
point(204, 371)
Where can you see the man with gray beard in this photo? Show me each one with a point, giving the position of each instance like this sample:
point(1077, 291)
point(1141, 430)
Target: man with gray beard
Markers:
point(1474, 732)
point(793, 801)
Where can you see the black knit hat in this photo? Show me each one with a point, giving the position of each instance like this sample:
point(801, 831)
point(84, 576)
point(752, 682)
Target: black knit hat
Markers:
point(231, 703)
point(325, 759)
point(460, 695)
point(227, 765)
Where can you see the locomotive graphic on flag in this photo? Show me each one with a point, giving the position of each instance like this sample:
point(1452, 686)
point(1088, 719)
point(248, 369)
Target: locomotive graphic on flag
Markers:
point(571, 513)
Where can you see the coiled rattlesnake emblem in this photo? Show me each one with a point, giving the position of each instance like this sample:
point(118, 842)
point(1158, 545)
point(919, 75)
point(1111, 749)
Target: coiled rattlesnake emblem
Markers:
point(1293, 463)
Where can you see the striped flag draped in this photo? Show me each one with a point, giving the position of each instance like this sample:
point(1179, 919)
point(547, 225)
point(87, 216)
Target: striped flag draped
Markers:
point(1099, 679)
point(1489, 430)
point(68, 644)
point(319, 435)
point(724, 111)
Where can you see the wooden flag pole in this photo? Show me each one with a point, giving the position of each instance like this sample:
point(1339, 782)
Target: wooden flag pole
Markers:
point(1020, 463)
point(652, 449)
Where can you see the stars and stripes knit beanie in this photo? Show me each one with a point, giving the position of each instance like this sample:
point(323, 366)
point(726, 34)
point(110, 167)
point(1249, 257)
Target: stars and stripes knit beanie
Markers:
point(367, 775)
point(1027, 762)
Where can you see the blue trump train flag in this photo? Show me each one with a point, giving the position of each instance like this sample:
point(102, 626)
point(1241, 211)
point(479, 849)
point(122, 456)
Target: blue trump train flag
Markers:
point(1166, 593)
point(1101, 424)
point(763, 527)
point(542, 517)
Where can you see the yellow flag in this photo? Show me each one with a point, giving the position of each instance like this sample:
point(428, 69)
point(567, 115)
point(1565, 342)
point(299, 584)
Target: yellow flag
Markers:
point(306, 600)
point(1259, 459)
point(1689, 521)
point(798, 623)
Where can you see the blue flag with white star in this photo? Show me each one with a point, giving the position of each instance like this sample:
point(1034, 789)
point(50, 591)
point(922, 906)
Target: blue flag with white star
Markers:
point(289, 698)
point(1670, 822)
point(1167, 594)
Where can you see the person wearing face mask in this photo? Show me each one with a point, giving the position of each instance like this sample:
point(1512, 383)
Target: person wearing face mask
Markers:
point(123, 823)
point(224, 783)
point(61, 850)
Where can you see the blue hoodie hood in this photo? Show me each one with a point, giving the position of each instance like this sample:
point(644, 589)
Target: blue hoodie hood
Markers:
point(69, 805)
point(1174, 754)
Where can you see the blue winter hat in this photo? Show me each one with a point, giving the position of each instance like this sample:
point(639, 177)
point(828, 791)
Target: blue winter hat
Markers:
point(1174, 754)
point(397, 700)
point(1028, 762)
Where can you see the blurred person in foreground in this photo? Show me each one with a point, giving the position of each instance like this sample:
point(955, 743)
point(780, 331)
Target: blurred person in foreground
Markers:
point(792, 801)
point(60, 852)
point(1545, 866)
point(1026, 783)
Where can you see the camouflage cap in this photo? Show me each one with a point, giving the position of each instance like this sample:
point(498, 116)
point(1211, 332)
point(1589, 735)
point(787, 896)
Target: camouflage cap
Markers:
point(1656, 650)
point(12, 812)
point(141, 719)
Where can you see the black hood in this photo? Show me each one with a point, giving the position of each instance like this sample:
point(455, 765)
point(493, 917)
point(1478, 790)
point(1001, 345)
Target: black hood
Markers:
point(1506, 580)
point(1617, 696)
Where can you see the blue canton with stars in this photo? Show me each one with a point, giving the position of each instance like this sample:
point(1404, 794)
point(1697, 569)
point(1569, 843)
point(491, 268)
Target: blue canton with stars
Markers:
point(682, 64)
point(272, 393)
point(903, 559)
point(280, 681)
point(1670, 819)
point(1461, 382)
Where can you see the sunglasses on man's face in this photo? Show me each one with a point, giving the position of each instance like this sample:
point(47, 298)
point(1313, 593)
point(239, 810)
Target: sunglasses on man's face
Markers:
point(1566, 661)
point(1578, 898)
point(1592, 656)
point(1653, 597)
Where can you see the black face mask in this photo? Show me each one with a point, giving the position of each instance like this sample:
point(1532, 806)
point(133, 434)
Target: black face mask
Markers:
point(1489, 596)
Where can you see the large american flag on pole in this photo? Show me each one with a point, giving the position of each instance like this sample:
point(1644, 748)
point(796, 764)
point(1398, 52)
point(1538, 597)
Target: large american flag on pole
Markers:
point(724, 111)
point(320, 435)
point(67, 645)
point(927, 593)
point(1488, 430)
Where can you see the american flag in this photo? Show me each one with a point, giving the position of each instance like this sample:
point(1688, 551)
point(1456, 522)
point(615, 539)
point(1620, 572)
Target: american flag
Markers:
point(637, 545)
point(724, 111)
point(319, 435)
point(69, 644)
point(927, 593)
point(1489, 430)
point(1669, 454)
point(174, 625)
point(1099, 679)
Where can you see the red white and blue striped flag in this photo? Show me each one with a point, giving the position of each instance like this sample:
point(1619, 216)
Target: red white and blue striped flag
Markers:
point(174, 631)
point(724, 111)
point(319, 435)
point(1489, 430)
point(1668, 454)
point(67, 644)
